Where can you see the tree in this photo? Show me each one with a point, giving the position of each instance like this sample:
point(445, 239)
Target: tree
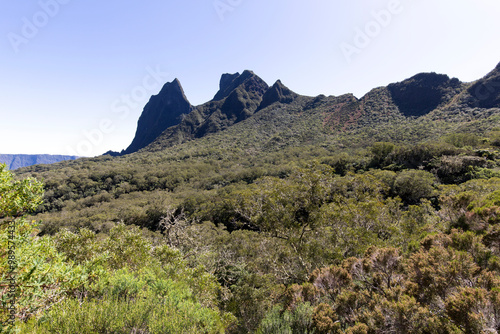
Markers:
point(17, 197)
point(381, 151)
point(413, 185)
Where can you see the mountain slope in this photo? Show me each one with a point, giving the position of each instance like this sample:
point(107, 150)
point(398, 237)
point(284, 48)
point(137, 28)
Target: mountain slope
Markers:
point(242, 96)
point(325, 188)
point(238, 98)
point(252, 131)
point(423, 93)
point(427, 97)
point(485, 93)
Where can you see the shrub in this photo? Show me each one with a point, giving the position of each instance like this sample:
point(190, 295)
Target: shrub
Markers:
point(414, 185)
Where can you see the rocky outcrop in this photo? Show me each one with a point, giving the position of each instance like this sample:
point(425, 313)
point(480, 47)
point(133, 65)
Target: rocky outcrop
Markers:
point(277, 93)
point(161, 112)
point(238, 98)
point(247, 81)
point(168, 119)
point(485, 93)
point(423, 93)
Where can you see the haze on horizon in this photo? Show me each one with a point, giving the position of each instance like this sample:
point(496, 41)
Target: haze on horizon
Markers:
point(71, 68)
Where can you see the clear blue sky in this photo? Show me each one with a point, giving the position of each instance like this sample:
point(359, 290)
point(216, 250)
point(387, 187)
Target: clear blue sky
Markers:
point(75, 74)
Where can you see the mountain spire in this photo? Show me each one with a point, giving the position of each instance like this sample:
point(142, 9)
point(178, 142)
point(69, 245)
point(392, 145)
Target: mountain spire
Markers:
point(161, 112)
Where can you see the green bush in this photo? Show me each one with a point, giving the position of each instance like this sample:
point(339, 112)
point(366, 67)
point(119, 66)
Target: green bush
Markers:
point(125, 309)
point(463, 139)
point(296, 321)
point(414, 185)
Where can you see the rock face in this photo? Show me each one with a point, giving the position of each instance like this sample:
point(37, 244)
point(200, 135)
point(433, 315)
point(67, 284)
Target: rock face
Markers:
point(14, 161)
point(238, 98)
point(227, 84)
point(423, 93)
point(161, 112)
point(277, 93)
point(247, 81)
point(485, 93)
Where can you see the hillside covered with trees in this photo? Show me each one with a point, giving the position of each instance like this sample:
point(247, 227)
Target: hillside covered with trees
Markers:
point(265, 211)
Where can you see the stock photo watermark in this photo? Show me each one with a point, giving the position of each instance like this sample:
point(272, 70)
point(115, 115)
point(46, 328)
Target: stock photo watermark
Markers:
point(222, 7)
point(486, 90)
point(31, 26)
point(372, 29)
point(11, 281)
point(121, 108)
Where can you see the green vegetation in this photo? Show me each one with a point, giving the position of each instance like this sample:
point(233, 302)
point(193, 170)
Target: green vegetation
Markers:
point(304, 218)
point(128, 281)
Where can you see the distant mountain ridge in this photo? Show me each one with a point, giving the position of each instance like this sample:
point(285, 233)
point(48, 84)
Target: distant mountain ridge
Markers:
point(14, 161)
point(169, 119)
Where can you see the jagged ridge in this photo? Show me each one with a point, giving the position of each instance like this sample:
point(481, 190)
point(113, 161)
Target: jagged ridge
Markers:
point(241, 96)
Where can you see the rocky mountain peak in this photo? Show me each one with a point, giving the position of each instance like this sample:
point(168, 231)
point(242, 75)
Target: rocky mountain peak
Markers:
point(247, 81)
point(161, 112)
point(485, 93)
point(226, 80)
point(169, 119)
point(277, 93)
point(422, 93)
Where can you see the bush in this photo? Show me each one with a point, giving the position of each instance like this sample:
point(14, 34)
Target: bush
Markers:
point(463, 139)
point(458, 169)
point(414, 185)
point(296, 321)
point(172, 311)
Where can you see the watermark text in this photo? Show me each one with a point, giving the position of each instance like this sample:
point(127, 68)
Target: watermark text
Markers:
point(121, 109)
point(31, 26)
point(11, 275)
point(222, 7)
point(372, 29)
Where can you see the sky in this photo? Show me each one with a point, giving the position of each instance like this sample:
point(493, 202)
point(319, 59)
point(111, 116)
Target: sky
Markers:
point(75, 75)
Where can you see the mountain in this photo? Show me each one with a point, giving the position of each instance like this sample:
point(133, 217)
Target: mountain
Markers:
point(277, 93)
point(161, 112)
point(243, 96)
point(14, 161)
point(423, 93)
point(250, 131)
point(279, 194)
point(485, 93)
point(239, 96)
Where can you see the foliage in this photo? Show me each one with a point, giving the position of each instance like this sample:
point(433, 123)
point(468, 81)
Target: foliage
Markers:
point(414, 185)
point(298, 320)
point(325, 215)
point(164, 307)
point(136, 286)
point(384, 291)
point(123, 282)
point(17, 197)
